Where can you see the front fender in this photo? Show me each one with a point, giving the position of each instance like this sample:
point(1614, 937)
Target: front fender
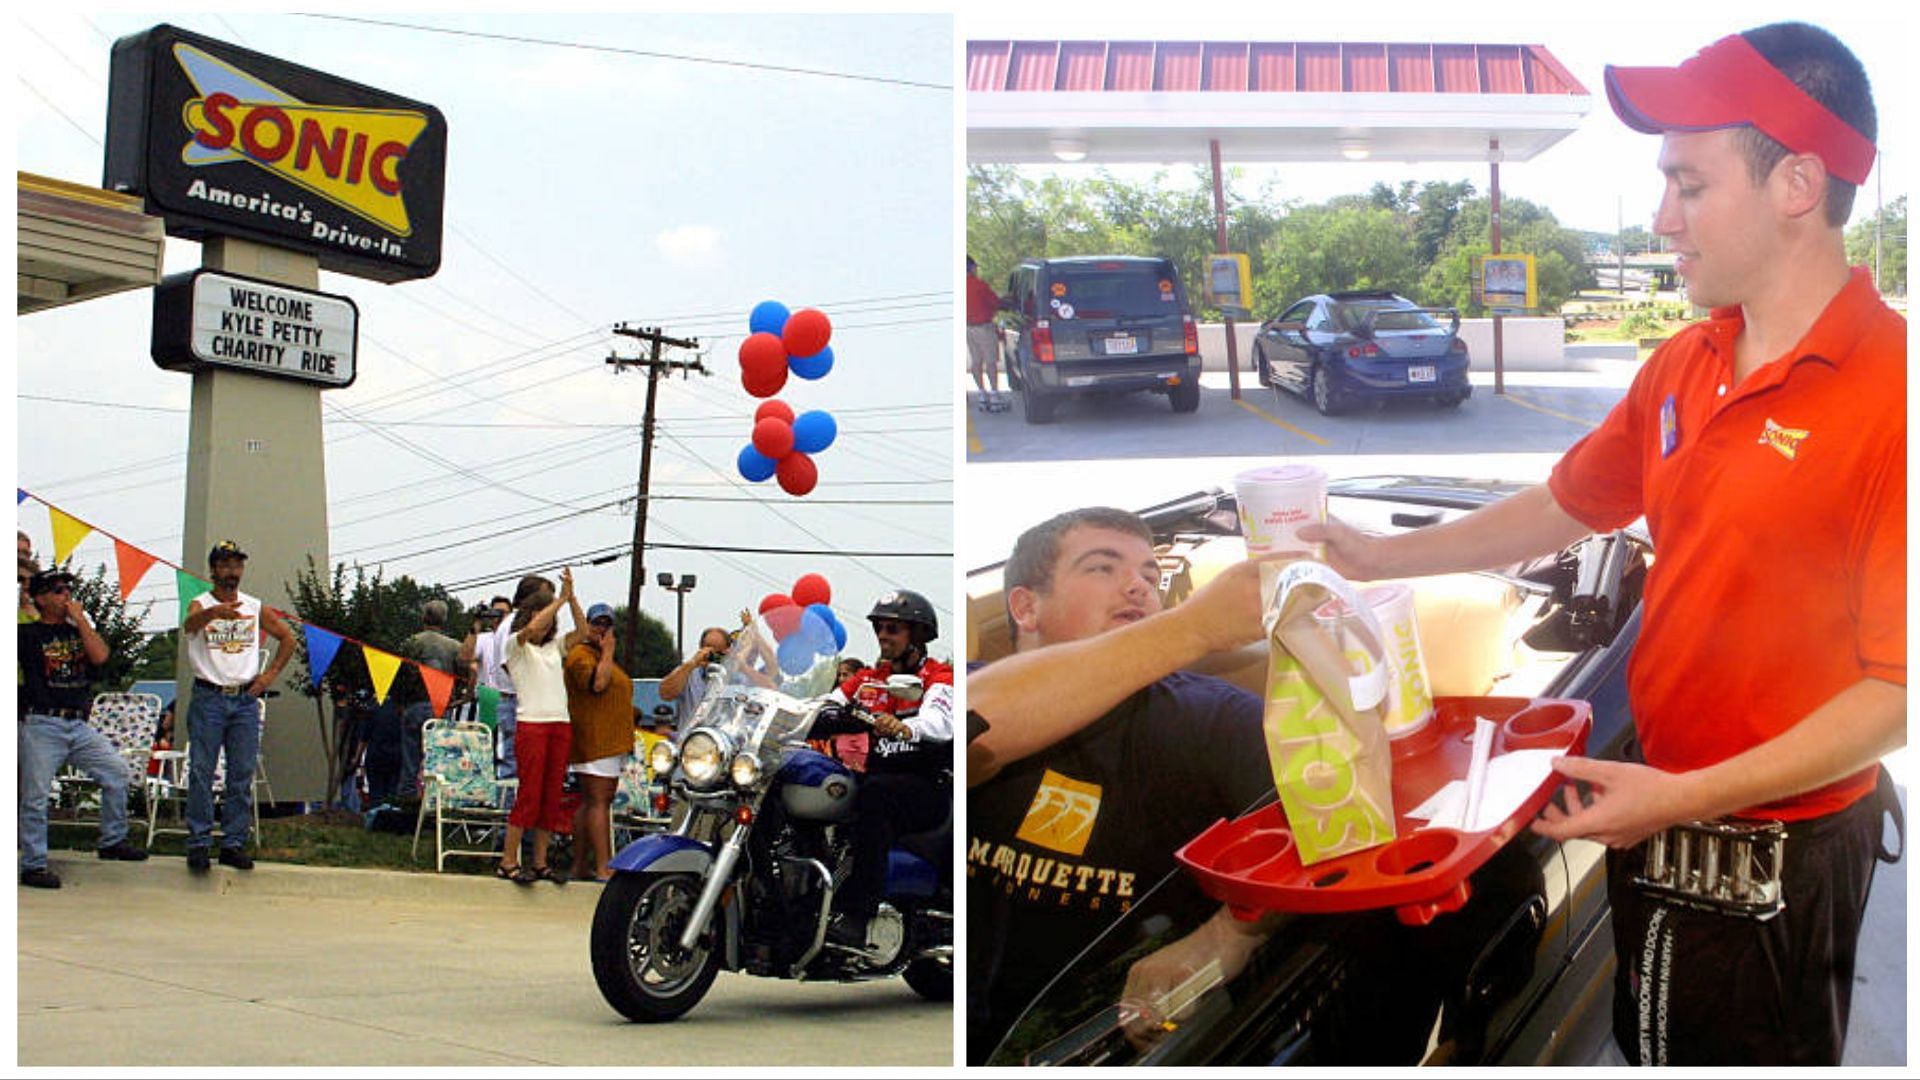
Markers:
point(664, 853)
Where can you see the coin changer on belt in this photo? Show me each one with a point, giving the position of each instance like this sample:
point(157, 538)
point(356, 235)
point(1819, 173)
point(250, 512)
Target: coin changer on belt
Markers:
point(1729, 867)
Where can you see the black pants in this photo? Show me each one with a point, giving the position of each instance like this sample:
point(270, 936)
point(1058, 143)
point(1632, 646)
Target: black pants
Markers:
point(889, 805)
point(1701, 988)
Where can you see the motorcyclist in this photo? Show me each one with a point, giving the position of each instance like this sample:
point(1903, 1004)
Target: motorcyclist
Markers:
point(909, 782)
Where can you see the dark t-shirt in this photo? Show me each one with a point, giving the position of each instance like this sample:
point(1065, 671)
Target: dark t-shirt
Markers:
point(54, 663)
point(1061, 843)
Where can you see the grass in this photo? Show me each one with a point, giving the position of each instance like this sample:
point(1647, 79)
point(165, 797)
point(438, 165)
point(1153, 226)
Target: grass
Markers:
point(321, 838)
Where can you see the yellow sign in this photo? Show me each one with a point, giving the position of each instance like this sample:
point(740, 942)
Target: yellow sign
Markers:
point(1507, 282)
point(350, 157)
point(1230, 283)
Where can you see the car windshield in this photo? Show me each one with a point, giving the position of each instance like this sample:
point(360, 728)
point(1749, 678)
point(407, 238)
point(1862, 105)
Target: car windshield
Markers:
point(1386, 315)
point(1113, 290)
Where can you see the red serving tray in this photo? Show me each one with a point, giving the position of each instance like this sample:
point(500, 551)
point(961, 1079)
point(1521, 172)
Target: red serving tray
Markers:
point(1251, 865)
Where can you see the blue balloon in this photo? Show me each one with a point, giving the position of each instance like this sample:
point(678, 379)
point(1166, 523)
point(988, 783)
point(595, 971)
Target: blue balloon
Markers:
point(814, 431)
point(796, 656)
point(809, 643)
point(839, 636)
point(769, 317)
point(812, 367)
point(755, 465)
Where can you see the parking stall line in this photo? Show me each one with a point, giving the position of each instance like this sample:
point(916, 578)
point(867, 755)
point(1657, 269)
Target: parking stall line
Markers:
point(1272, 419)
point(1525, 404)
point(974, 445)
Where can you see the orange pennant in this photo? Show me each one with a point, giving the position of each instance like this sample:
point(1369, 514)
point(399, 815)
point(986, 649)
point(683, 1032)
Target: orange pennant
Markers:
point(133, 564)
point(439, 687)
point(67, 533)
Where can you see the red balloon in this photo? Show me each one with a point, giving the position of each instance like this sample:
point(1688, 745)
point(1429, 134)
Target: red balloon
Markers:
point(812, 589)
point(797, 474)
point(773, 408)
point(763, 365)
point(806, 333)
point(773, 437)
point(783, 621)
point(773, 601)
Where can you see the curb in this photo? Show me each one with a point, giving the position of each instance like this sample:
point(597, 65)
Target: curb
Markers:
point(320, 882)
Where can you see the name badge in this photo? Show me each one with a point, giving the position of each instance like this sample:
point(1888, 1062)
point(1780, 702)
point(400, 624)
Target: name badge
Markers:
point(1669, 428)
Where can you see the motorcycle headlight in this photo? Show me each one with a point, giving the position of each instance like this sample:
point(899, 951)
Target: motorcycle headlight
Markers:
point(660, 758)
point(701, 759)
point(745, 770)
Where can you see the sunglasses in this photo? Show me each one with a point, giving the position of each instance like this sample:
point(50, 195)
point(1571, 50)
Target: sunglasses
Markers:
point(61, 589)
point(889, 626)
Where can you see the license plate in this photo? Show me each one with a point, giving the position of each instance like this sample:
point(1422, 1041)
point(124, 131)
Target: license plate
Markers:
point(1080, 380)
point(1123, 345)
point(1423, 373)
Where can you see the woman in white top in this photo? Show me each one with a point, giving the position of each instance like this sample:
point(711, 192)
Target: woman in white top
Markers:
point(534, 658)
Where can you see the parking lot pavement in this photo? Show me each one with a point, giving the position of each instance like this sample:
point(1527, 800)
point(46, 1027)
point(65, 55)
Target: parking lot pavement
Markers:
point(1541, 412)
point(143, 965)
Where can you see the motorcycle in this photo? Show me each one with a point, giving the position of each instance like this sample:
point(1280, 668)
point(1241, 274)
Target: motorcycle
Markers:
point(762, 839)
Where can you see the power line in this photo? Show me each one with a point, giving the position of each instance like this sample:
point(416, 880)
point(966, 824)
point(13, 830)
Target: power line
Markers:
point(650, 54)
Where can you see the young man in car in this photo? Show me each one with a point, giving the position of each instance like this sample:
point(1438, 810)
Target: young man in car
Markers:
point(1766, 447)
point(1100, 758)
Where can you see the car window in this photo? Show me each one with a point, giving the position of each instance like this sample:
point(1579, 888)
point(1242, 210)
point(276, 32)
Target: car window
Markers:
point(1320, 321)
point(1117, 290)
point(1298, 312)
point(1386, 316)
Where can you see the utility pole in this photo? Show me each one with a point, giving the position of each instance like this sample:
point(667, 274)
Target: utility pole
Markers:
point(654, 365)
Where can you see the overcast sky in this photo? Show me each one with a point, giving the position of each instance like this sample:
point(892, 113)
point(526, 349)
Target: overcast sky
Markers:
point(585, 187)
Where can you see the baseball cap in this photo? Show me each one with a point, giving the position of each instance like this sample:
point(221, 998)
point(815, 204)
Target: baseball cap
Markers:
point(48, 580)
point(225, 549)
point(599, 611)
point(1728, 84)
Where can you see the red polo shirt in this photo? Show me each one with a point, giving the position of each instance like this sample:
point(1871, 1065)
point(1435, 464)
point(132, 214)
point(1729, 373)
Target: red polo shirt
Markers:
point(1778, 511)
point(982, 302)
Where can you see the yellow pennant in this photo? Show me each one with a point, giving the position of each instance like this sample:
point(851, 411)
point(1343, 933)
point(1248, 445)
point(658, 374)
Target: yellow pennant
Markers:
point(383, 667)
point(67, 533)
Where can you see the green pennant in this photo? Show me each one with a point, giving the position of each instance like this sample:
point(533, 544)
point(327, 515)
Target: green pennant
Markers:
point(189, 587)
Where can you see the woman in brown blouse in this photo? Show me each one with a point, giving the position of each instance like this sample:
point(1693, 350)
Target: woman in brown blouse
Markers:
point(600, 703)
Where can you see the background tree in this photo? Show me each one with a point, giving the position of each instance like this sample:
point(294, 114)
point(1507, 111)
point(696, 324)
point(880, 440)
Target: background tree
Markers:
point(161, 658)
point(120, 627)
point(367, 608)
point(1893, 245)
point(653, 655)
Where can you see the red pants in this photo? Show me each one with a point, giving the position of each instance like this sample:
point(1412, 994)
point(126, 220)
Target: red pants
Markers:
point(542, 753)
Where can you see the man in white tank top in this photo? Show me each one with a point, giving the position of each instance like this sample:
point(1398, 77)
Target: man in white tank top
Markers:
point(222, 636)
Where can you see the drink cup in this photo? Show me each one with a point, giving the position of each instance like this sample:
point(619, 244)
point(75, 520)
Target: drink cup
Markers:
point(1274, 502)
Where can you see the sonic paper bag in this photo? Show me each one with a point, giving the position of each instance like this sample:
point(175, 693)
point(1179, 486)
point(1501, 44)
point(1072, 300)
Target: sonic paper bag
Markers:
point(1325, 714)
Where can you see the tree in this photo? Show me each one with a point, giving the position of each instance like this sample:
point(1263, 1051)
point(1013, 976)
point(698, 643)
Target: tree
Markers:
point(368, 609)
point(1892, 219)
point(119, 627)
point(653, 655)
point(161, 658)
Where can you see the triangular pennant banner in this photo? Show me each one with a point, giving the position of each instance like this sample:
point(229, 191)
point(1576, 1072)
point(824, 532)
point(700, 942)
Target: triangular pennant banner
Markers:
point(67, 533)
point(486, 705)
point(189, 589)
point(439, 688)
point(20, 496)
point(133, 564)
point(321, 649)
point(383, 667)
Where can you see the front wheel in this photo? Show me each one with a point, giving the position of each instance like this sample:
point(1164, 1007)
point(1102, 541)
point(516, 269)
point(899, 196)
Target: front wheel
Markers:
point(930, 978)
point(637, 960)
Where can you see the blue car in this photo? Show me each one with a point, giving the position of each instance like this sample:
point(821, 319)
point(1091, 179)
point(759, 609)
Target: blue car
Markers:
point(1340, 349)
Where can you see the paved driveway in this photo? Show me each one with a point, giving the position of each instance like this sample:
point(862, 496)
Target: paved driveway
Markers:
point(142, 965)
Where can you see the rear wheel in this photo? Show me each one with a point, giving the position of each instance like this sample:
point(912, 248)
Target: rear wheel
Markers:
point(931, 979)
point(637, 959)
point(1185, 397)
point(1037, 407)
point(1325, 398)
point(1451, 401)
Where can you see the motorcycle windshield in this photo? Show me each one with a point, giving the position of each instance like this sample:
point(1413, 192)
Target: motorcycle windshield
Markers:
point(782, 659)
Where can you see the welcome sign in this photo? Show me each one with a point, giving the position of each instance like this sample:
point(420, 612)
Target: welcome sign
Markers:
point(223, 141)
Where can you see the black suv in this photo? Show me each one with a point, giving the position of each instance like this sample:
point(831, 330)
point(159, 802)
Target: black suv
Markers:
point(1100, 324)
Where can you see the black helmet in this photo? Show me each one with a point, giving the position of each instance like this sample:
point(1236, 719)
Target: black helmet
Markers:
point(911, 608)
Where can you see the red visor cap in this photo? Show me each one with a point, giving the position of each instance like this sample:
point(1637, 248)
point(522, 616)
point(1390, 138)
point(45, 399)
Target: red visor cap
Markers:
point(1728, 84)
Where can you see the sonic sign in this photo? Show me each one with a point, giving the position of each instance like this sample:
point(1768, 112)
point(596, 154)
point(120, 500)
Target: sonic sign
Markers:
point(222, 141)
